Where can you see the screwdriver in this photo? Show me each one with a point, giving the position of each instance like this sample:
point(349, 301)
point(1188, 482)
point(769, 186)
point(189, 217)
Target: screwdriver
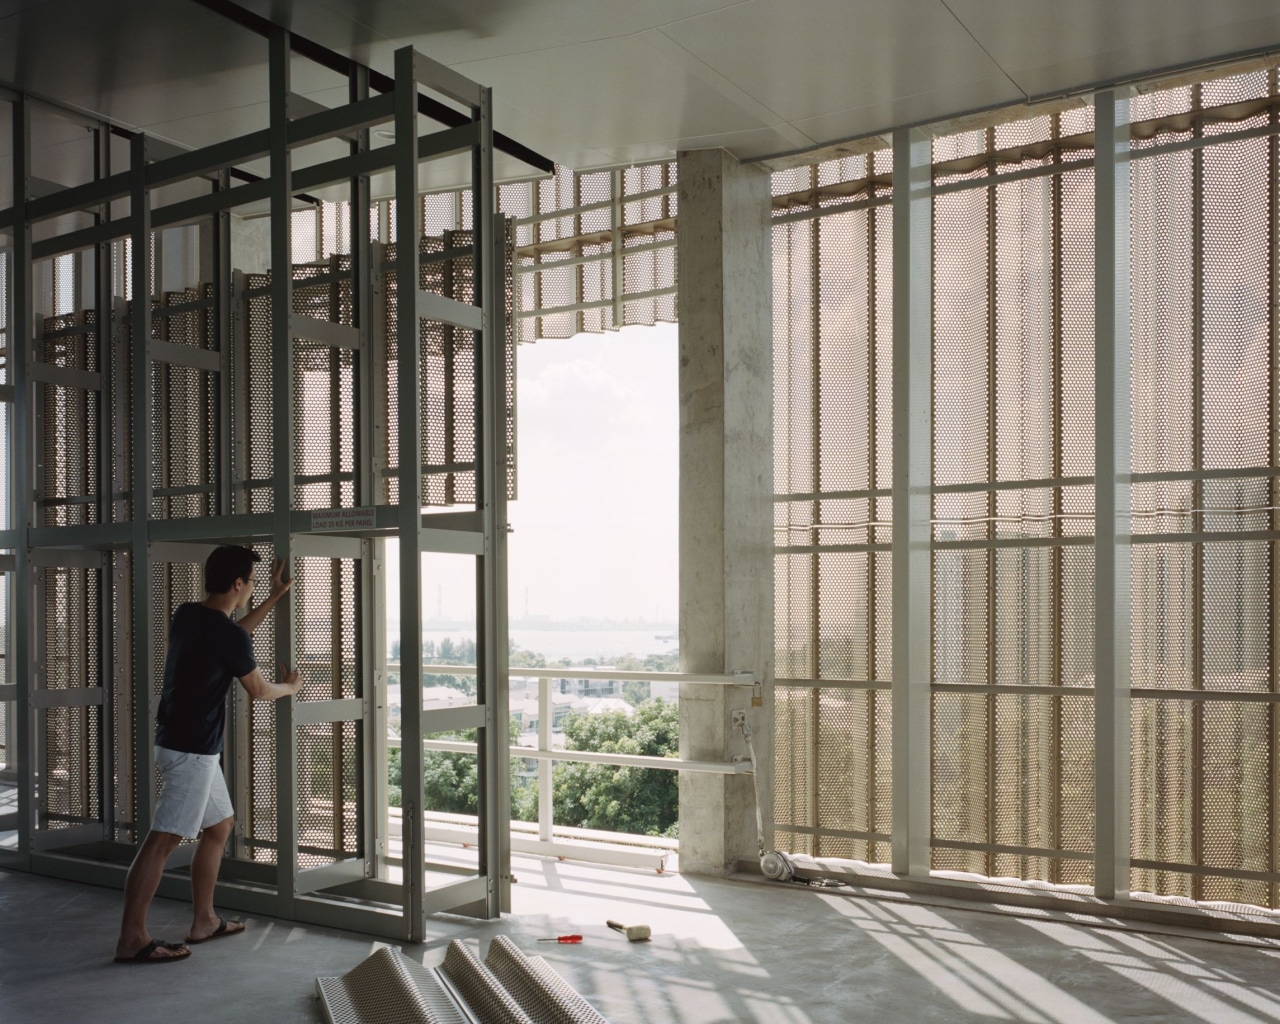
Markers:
point(563, 938)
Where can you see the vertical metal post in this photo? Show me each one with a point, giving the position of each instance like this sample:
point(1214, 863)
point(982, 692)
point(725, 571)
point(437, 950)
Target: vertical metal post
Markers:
point(912, 482)
point(140, 438)
point(873, 753)
point(815, 560)
point(235, 363)
point(108, 396)
point(615, 245)
point(224, 434)
point(989, 831)
point(1055, 553)
point(223, 328)
point(1112, 549)
point(1273, 411)
point(238, 386)
point(282, 463)
point(371, 640)
point(546, 768)
point(367, 377)
point(449, 348)
point(491, 496)
point(20, 481)
point(410, 487)
point(121, 486)
point(1196, 707)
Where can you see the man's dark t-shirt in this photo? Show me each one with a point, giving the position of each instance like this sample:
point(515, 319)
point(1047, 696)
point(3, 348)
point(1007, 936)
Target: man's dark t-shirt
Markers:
point(206, 651)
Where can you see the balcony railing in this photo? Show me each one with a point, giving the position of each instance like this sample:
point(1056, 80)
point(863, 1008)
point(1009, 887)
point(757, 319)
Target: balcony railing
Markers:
point(560, 841)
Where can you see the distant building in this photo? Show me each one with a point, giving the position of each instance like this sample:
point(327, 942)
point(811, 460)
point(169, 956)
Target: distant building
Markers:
point(589, 687)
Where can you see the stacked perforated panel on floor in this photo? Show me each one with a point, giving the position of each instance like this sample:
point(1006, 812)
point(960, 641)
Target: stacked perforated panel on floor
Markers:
point(507, 988)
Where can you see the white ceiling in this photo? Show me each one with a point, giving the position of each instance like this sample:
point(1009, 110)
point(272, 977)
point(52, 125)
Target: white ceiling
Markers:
point(592, 83)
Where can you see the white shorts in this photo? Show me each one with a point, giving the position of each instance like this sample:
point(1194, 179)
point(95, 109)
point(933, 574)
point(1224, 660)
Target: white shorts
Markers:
point(193, 793)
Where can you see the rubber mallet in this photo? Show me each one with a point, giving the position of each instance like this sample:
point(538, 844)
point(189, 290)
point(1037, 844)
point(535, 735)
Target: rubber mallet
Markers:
point(634, 933)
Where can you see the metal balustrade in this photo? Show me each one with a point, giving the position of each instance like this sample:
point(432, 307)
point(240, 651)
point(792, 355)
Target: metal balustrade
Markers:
point(570, 843)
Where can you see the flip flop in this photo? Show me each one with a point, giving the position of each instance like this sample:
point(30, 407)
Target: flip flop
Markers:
point(220, 932)
point(143, 956)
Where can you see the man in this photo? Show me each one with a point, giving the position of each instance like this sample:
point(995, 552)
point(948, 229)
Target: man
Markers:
point(207, 649)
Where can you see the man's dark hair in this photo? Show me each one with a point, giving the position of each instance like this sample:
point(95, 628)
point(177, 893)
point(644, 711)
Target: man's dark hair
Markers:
point(227, 564)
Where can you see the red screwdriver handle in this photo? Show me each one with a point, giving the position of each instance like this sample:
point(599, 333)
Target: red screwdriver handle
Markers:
point(563, 938)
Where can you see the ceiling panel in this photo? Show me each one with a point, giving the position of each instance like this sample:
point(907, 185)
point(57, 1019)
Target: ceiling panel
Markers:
point(594, 83)
point(613, 92)
point(812, 57)
point(98, 54)
point(1050, 48)
point(882, 117)
point(453, 31)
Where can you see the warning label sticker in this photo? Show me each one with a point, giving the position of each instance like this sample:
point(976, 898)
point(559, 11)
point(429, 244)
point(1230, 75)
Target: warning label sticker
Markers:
point(327, 520)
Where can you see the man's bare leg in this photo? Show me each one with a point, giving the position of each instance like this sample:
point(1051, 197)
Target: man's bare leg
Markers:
point(205, 865)
point(139, 889)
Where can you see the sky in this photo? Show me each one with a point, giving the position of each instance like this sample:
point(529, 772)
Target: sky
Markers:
point(595, 521)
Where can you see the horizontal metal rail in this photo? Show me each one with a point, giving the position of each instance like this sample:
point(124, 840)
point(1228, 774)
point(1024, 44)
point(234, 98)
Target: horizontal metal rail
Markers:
point(703, 679)
point(603, 204)
point(578, 307)
point(671, 764)
point(595, 257)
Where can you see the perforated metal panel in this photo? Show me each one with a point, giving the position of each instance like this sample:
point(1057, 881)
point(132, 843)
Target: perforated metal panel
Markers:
point(261, 828)
point(1204, 804)
point(449, 379)
point(388, 988)
point(592, 252)
point(1013, 568)
point(68, 638)
point(324, 407)
point(539, 990)
point(832, 464)
point(261, 389)
point(330, 803)
point(67, 424)
point(508, 988)
point(1013, 596)
point(483, 993)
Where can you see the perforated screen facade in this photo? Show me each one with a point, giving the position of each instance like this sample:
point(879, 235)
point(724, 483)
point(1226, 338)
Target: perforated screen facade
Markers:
point(833, 469)
point(593, 250)
point(1013, 446)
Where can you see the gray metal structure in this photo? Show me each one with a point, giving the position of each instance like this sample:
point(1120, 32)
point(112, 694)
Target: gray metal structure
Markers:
point(145, 432)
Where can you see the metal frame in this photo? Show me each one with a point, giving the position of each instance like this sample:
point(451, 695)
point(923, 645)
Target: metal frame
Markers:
point(912, 482)
point(131, 534)
point(1113, 463)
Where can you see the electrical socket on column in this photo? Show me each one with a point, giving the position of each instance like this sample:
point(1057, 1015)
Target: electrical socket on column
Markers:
point(739, 718)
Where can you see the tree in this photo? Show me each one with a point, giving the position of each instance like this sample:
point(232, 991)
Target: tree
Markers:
point(643, 801)
point(635, 691)
point(451, 782)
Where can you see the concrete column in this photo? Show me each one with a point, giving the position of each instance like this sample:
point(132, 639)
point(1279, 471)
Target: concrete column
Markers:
point(726, 498)
point(251, 244)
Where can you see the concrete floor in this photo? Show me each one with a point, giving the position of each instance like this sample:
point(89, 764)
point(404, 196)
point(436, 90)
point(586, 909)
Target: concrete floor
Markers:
point(723, 950)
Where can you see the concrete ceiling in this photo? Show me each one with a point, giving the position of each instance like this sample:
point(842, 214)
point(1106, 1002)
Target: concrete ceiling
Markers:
point(593, 83)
